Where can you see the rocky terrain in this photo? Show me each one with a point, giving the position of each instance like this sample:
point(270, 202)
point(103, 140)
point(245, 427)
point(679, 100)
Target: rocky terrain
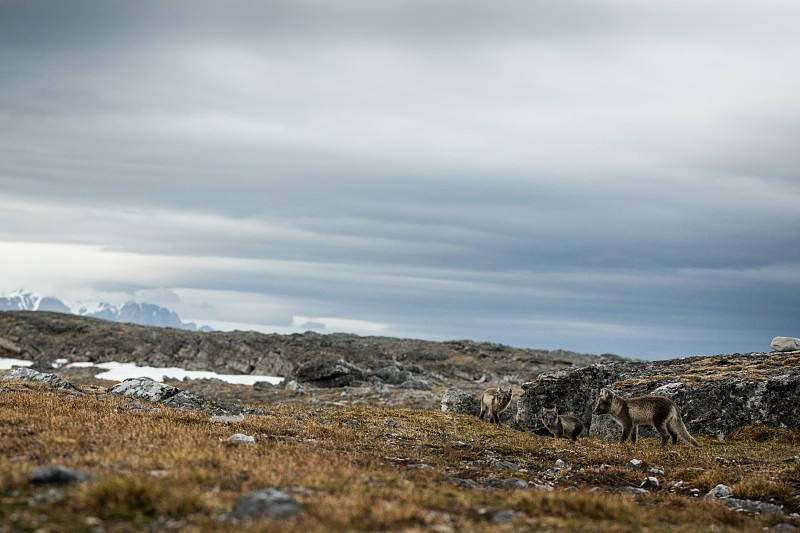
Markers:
point(373, 369)
point(717, 395)
point(378, 434)
point(146, 456)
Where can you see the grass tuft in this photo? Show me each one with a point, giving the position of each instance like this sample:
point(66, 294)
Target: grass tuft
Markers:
point(134, 498)
point(762, 433)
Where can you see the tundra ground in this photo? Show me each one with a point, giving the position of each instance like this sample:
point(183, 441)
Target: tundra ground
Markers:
point(362, 468)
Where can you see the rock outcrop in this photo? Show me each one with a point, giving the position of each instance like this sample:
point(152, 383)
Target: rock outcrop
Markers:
point(50, 380)
point(327, 373)
point(44, 337)
point(716, 395)
point(144, 389)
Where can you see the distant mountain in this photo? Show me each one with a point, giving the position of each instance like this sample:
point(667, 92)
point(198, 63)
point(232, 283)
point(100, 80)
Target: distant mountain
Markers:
point(26, 301)
point(133, 312)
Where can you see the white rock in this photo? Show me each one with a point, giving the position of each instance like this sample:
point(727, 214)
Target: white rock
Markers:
point(561, 465)
point(636, 464)
point(650, 483)
point(720, 492)
point(241, 437)
point(785, 344)
point(227, 418)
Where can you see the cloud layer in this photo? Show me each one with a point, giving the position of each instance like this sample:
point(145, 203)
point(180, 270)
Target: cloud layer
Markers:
point(604, 177)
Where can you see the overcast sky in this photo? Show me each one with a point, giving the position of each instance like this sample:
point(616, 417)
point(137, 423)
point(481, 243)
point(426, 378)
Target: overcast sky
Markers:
point(606, 177)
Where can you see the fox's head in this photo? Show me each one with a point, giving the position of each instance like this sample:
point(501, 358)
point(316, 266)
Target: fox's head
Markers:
point(604, 400)
point(549, 416)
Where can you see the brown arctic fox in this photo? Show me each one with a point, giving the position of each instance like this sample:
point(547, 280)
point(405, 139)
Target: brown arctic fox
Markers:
point(493, 402)
point(657, 411)
point(561, 426)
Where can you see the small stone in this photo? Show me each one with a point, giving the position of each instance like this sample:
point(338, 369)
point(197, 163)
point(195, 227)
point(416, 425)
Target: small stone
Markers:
point(783, 528)
point(57, 475)
point(634, 490)
point(561, 465)
point(462, 482)
point(227, 418)
point(505, 465)
point(266, 503)
point(241, 437)
point(392, 423)
point(752, 507)
point(51, 496)
point(510, 483)
point(636, 464)
point(656, 471)
point(650, 483)
point(719, 492)
point(504, 515)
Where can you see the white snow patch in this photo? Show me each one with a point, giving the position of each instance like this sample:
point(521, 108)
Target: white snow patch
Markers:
point(122, 371)
point(6, 364)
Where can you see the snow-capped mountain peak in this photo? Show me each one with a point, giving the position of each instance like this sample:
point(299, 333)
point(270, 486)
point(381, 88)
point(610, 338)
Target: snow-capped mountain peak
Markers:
point(21, 300)
point(135, 312)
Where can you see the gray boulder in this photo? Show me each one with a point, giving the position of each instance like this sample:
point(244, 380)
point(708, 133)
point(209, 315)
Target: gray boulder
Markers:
point(187, 400)
point(266, 503)
point(786, 344)
point(51, 380)
point(716, 395)
point(469, 403)
point(156, 392)
point(329, 373)
point(570, 391)
point(460, 401)
point(144, 389)
point(752, 507)
point(719, 492)
point(57, 475)
point(392, 374)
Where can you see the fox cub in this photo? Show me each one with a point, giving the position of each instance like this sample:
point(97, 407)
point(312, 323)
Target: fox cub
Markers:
point(562, 426)
point(493, 402)
point(657, 411)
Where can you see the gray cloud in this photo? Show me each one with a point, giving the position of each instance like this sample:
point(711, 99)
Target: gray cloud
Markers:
point(594, 176)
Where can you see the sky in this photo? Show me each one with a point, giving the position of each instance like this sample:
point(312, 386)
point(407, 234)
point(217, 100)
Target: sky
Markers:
point(603, 177)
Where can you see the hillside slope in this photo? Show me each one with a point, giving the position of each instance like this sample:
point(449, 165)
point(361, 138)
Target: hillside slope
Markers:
point(45, 337)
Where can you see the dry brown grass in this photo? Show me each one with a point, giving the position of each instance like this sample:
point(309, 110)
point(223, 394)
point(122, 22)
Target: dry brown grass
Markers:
point(350, 470)
point(712, 369)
